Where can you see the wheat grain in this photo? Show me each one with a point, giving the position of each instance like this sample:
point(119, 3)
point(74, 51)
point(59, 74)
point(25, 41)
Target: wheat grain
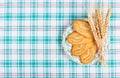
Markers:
point(91, 22)
point(97, 23)
point(101, 22)
point(105, 28)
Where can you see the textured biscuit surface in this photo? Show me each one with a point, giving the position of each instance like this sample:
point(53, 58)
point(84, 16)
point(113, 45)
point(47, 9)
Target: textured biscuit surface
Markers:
point(89, 54)
point(82, 40)
point(76, 38)
point(78, 50)
point(83, 28)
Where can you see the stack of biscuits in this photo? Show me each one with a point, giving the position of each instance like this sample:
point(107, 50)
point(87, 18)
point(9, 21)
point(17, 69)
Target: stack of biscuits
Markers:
point(88, 36)
point(82, 40)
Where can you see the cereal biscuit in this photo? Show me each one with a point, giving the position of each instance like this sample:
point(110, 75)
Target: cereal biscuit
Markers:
point(75, 38)
point(78, 50)
point(83, 28)
point(88, 56)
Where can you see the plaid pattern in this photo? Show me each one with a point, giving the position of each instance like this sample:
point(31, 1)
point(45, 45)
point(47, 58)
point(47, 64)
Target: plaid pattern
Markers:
point(31, 34)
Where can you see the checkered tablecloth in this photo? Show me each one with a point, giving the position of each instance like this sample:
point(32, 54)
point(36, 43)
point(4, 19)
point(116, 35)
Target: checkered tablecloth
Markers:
point(31, 35)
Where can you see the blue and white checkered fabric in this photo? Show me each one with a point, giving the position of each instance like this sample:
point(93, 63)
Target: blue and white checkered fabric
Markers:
point(31, 34)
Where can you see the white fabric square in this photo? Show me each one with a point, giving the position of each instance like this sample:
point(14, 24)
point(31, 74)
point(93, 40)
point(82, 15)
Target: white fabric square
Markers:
point(14, 10)
point(27, 69)
point(53, 10)
point(66, 10)
point(53, 23)
point(14, 69)
point(40, 33)
point(40, 23)
point(27, 57)
point(14, 23)
point(2, 23)
point(2, 10)
point(14, 46)
point(1, 57)
point(27, 23)
point(27, 33)
point(14, 33)
point(40, 56)
point(2, 70)
point(2, 33)
point(27, 46)
point(27, 10)
point(14, 57)
point(40, 70)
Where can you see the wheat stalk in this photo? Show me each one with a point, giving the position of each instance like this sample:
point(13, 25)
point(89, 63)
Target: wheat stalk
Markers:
point(97, 23)
point(99, 28)
point(100, 25)
point(104, 31)
point(91, 22)
point(101, 21)
point(105, 28)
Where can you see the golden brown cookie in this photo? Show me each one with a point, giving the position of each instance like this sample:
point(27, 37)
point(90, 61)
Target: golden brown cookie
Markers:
point(83, 28)
point(78, 50)
point(75, 38)
point(88, 56)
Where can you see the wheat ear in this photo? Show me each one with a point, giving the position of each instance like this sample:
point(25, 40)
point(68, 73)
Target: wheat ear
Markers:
point(105, 28)
point(91, 22)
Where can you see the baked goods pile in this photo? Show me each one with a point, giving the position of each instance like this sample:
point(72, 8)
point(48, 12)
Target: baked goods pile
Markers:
point(82, 40)
point(88, 37)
